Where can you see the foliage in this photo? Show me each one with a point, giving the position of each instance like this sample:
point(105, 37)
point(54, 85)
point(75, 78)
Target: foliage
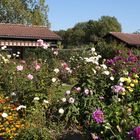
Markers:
point(90, 31)
point(101, 103)
point(31, 12)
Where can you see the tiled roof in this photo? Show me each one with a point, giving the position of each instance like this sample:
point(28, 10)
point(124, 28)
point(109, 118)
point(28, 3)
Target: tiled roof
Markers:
point(26, 32)
point(131, 39)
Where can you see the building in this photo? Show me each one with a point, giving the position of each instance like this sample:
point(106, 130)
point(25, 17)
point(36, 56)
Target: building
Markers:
point(128, 40)
point(18, 37)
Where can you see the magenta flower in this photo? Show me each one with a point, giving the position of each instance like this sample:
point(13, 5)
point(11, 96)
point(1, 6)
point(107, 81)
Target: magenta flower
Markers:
point(98, 116)
point(135, 133)
point(30, 76)
point(19, 68)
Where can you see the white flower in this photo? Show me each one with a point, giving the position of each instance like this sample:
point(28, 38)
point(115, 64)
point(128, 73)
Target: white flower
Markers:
point(112, 78)
point(94, 71)
point(67, 92)
point(56, 70)
point(64, 100)
point(13, 94)
point(45, 46)
point(61, 110)
point(45, 101)
point(106, 72)
point(71, 100)
point(17, 55)
point(86, 91)
point(121, 79)
point(9, 56)
point(4, 47)
point(92, 49)
point(104, 66)
point(18, 52)
point(121, 84)
point(36, 98)
point(53, 80)
point(4, 115)
point(20, 107)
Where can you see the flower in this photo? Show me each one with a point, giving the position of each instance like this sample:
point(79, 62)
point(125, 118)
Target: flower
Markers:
point(64, 100)
point(45, 101)
point(104, 66)
point(36, 98)
point(19, 68)
point(67, 92)
point(86, 91)
point(30, 76)
point(56, 70)
point(3, 48)
point(92, 49)
point(40, 42)
point(71, 100)
point(20, 107)
point(78, 89)
point(37, 66)
point(118, 89)
point(53, 80)
point(135, 133)
point(98, 116)
point(106, 72)
point(45, 45)
point(112, 78)
point(61, 110)
point(4, 115)
point(13, 94)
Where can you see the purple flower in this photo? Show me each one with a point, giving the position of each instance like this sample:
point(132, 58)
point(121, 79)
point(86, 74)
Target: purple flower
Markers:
point(118, 89)
point(134, 70)
point(135, 133)
point(98, 116)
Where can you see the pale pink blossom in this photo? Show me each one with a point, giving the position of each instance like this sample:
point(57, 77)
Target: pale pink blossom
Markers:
point(40, 42)
point(37, 66)
point(30, 76)
point(19, 68)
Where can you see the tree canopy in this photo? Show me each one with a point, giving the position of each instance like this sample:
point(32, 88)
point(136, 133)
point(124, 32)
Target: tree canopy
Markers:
point(32, 12)
point(90, 31)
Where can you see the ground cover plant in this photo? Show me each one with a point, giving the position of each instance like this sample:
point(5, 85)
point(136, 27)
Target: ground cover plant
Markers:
point(97, 97)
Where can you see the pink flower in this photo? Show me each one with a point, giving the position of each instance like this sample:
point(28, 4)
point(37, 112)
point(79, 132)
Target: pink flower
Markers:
point(40, 42)
point(98, 116)
point(19, 68)
point(30, 76)
point(37, 66)
point(64, 65)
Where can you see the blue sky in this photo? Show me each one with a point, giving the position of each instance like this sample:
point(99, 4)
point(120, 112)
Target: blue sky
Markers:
point(64, 14)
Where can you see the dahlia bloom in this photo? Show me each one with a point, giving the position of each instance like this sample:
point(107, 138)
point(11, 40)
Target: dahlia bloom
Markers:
point(98, 116)
point(135, 133)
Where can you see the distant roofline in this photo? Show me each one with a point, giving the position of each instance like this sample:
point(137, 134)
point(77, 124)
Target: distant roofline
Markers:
point(47, 34)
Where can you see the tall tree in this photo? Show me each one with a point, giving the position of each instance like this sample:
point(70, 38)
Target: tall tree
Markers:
point(31, 12)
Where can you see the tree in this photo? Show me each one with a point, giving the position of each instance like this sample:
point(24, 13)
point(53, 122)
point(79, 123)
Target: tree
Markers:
point(90, 31)
point(32, 12)
point(108, 24)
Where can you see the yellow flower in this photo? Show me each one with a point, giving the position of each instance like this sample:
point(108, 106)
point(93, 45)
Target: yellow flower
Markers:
point(128, 80)
point(132, 85)
point(123, 93)
point(135, 76)
point(135, 81)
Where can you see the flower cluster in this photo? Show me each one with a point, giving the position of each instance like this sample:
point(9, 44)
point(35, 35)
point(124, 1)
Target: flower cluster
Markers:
point(10, 118)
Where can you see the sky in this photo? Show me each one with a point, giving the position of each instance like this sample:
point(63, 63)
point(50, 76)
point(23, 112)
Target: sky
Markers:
point(64, 14)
